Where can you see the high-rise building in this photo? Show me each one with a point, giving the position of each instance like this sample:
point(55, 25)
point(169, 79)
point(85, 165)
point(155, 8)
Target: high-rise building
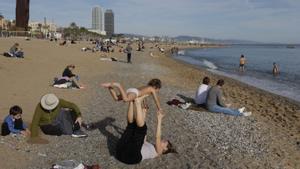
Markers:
point(22, 14)
point(109, 22)
point(97, 19)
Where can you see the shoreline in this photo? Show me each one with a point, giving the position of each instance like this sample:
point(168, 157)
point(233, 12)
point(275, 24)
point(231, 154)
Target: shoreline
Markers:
point(263, 91)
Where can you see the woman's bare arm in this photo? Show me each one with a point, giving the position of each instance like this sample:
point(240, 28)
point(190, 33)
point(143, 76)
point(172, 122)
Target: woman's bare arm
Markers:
point(158, 147)
point(156, 99)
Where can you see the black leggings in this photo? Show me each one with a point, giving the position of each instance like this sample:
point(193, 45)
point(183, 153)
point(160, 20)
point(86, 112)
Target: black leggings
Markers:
point(130, 144)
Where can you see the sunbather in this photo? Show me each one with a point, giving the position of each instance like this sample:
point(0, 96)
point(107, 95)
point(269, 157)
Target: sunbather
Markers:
point(15, 51)
point(72, 77)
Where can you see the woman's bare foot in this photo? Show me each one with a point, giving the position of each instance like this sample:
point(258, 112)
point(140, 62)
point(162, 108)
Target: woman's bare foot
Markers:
point(106, 85)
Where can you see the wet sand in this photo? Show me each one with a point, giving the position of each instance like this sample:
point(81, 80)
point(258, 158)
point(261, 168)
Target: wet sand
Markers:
point(267, 139)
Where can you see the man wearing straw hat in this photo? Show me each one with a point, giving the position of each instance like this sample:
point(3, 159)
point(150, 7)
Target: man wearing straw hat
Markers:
point(57, 117)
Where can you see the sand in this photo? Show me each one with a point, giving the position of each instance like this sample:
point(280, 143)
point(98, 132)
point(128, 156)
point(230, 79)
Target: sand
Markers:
point(267, 139)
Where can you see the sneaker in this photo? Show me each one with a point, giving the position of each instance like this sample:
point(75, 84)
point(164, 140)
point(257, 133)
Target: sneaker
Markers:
point(241, 110)
point(79, 134)
point(247, 113)
point(185, 106)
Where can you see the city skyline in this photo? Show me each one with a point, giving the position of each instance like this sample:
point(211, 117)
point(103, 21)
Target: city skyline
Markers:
point(109, 26)
point(256, 20)
point(97, 18)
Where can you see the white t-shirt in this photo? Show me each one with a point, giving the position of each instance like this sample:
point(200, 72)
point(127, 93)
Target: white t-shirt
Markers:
point(201, 94)
point(148, 151)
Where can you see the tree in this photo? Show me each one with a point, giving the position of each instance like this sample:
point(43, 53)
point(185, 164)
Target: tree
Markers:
point(40, 27)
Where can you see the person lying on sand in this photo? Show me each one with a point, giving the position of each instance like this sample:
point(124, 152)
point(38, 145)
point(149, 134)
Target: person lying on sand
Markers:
point(152, 88)
point(63, 43)
point(132, 147)
point(57, 117)
point(215, 102)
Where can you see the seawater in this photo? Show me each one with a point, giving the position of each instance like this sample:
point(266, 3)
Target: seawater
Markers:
point(259, 64)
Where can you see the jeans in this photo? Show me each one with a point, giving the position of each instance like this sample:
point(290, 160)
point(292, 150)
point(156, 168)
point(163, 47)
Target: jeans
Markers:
point(62, 125)
point(225, 110)
point(19, 54)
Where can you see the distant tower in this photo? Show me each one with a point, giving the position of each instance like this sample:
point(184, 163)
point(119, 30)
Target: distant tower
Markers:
point(22, 14)
point(97, 21)
point(109, 22)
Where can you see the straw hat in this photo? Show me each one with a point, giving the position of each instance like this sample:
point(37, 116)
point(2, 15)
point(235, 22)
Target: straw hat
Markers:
point(49, 101)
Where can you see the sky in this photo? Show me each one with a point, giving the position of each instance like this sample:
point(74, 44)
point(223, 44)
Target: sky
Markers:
point(257, 20)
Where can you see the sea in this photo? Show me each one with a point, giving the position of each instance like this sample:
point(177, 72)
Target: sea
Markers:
point(259, 64)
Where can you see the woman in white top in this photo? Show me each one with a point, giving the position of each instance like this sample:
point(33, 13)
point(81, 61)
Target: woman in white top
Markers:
point(132, 147)
point(202, 91)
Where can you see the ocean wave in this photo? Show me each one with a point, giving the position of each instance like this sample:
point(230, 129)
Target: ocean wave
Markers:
point(209, 64)
point(181, 52)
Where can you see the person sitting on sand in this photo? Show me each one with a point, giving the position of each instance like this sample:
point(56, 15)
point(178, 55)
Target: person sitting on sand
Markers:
point(13, 123)
point(152, 88)
point(215, 102)
point(275, 69)
point(72, 77)
point(132, 147)
point(15, 51)
point(201, 94)
point(56, 116)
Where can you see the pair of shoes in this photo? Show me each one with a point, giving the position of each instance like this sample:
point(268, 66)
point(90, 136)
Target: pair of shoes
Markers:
point(247, 113)
point(185, 106)
point(79, 134)
point(241, 110)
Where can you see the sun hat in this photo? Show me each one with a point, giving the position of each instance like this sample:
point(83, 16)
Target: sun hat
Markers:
point(49, 101)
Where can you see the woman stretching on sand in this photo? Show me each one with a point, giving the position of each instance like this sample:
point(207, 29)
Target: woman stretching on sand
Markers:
point(132, 147)
point(152, 88)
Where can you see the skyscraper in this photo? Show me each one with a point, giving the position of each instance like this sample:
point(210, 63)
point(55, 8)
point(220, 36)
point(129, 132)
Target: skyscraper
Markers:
point(97, 21)
point(109, 22)
point(22, 14)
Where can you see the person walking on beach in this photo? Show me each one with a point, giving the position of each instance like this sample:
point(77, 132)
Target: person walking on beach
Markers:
point(242, 63)
point(215, 102)
point(152, 88)
point(132, 147)
point(128, 51)
point(275, 69)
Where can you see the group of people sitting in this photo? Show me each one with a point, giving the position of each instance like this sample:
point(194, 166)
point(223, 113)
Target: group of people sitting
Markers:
point(15, 51)
point(68, 79)
point(56, 116)
point(212, 98)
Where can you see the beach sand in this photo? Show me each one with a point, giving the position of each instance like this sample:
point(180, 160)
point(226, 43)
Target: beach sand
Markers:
point(270, 138)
